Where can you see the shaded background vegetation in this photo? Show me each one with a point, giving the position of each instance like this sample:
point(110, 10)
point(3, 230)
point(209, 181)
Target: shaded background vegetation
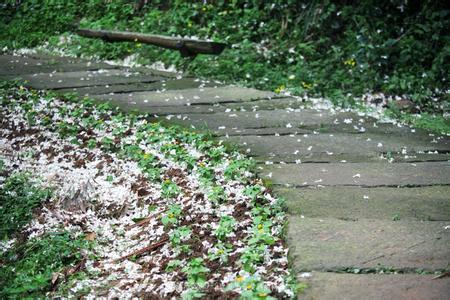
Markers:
point(337, 49)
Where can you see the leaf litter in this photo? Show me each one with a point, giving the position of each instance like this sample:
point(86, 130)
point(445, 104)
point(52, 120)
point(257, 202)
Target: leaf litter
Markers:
point(154, 200)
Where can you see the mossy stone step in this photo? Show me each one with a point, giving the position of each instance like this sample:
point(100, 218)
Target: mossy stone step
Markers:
point(188, 97)
point(332, 286)
point(429, 203)
point(328, 244)
point(65, 80)
point(359, 174)
point(165, 84)
point(363, 145)
point(14, 66)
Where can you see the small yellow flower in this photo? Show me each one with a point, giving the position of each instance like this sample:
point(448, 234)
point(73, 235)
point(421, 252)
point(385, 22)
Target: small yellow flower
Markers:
point(220, 251)
point(350, 62)
point(146, 156)
point(167, 181)
point(170, 215)
point(260, 226)
point(239, 278)
point(262, 294)
point(201, 164)
point(307, 85)
point(249, 287)
point(280, 89)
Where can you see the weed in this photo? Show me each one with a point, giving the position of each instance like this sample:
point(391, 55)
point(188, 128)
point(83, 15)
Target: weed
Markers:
point(226, 226)
point(173, 264)
point(179, 235)
point(191, 293)
point(250, 288)
point(27, 269)
point(220, 252)
point(169, 189)
point(196, 272)
point(172, 215)
point(19, 196)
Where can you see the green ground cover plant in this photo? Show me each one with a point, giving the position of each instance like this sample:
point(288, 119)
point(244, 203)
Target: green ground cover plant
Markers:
point(19, 196)
point(27, 270)
point(28, 267)
point(340, 50)
point(172, 204)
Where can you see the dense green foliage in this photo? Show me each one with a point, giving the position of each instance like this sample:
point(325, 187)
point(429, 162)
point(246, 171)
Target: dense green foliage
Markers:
point(19, 196)
point(26, 270)
point(331, 48)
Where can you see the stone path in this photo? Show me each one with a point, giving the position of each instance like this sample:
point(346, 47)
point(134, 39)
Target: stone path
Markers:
point(365, 199)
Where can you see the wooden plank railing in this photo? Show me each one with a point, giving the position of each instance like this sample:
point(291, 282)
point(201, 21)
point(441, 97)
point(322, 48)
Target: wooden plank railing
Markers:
point(187, 47)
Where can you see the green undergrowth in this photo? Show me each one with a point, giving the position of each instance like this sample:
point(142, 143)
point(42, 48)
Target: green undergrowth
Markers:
point(19, 196)
point(335, 49)
point(79, 114)
point(27, 270)
point(428, 121)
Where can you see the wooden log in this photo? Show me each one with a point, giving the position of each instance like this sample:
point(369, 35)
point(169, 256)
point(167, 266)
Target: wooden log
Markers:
point(187, 47)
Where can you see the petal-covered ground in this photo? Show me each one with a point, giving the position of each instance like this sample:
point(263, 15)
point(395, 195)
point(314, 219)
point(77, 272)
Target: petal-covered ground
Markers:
point(168, 212)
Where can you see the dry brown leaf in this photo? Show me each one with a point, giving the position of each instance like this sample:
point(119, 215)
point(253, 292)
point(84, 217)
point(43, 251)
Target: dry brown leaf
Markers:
point(55, 277)
point(91, 236)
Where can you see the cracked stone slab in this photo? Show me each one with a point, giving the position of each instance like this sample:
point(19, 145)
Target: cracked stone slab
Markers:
point(173, 84)
point(429, 203)
point(85, 78)
point(359, 174)
point(187, 97)
point(14, 66)
point(382, 128)
point(169, 114)
point(331, 244)
point(260, 119)
point(285, 121)
point(332, 286)
point(352, 157)
point(308, 146)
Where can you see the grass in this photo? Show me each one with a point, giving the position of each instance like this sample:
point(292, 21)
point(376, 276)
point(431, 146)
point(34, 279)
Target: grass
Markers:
point(427, 121)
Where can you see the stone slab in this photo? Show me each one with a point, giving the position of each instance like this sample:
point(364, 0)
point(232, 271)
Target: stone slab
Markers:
point(286, 120)
point(278, 118)
point(329, 244)
point(64, 80)
point(174, 84)
point(187, 97)
point(320, 128)
point(14, 66)
point(267, 104)
point(431, 203)
point(332, 286)
point(353, 157)
point(359, 174)
point(171, 114)
point(307, 146)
